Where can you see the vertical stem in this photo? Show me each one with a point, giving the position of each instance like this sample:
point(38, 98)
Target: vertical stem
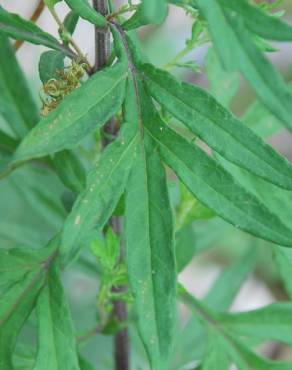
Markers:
point(110, 131)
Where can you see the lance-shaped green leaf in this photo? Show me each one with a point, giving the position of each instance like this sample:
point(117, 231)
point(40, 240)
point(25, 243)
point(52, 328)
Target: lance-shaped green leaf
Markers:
point(237, 352)
point(105, 185)
point(260, 22)
point(221, 295)
point(18, 28)
point(149, 239)
point(223, 84)
point(16, 103)
point(238, 52)
point(216, 188)
point(215, 353)
point(56, 340)
point(205, 117)
point(149, 11)
point(71, 21)
point(84, 110)
point(272, 322)
point(224, 290)
point(18, 298)
point(85, 11)
point(12, 322)
point(153, 11)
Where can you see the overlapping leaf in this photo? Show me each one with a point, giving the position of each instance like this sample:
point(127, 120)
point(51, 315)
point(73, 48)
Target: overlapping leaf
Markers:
point(84, 110)
point(18, 28)
point(56, 340)
point(50, 63)
point(220, 296)
point(229, 342)
point(153, 11)
point(272, 322)
point(239, 52)
point(105, 185)
point(216, 188)
point(265, 25)
point(16, 103)
point(205, 117)
point(149, 240)
point(85, 11)
point(24, 274)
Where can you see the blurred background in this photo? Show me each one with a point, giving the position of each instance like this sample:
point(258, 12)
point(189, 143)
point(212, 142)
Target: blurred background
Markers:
point(32, 210)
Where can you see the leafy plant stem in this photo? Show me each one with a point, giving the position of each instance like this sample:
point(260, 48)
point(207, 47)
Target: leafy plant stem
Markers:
point(122, 10)
point(110, 131)
point(185, 51)
point(70, 38)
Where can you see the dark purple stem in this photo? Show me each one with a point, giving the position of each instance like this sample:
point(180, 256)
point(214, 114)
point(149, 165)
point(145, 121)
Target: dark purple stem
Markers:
point(110, 132)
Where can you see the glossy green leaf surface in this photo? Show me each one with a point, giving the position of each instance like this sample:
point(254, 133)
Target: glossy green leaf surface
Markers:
point(217, 189)
point(18, 28)
point(238, 52)
point(16, 102)
point(85, 11)
point(56, 339)
point(105, 184)
point(216, 126)
point(84, 110)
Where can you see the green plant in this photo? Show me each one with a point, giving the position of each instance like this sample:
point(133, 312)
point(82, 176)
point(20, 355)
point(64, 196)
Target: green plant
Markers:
point(109, 132)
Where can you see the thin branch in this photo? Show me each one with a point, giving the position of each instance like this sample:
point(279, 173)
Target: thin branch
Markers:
point(70, 39)
point(35, 16)
point(110, 131)
point(91, 333)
